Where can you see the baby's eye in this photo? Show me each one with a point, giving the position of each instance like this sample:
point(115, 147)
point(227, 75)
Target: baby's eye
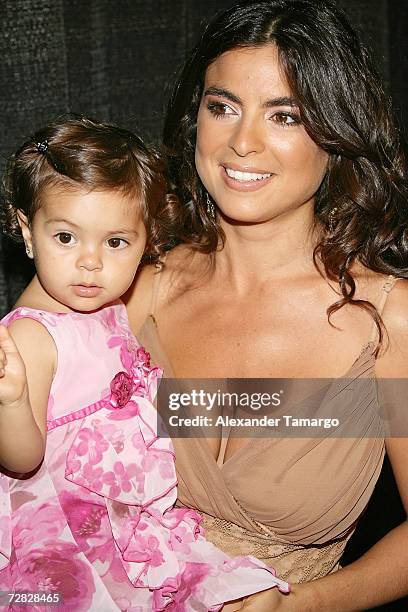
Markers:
point(64, 238)
point(286, 119)
point(219, 109)
point(117, 243)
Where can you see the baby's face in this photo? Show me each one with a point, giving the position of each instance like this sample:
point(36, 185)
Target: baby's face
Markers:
point(86, 245)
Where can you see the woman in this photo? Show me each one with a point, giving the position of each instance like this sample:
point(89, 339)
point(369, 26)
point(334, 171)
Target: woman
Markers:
point(293, 221)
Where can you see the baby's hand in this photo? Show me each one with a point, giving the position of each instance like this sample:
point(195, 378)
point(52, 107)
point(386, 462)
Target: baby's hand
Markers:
point(13, 379)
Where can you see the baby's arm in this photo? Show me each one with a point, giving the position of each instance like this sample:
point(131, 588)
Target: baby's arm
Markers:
point(27, 357)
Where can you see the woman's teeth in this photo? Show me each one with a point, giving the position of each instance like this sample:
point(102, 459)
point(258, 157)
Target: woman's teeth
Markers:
point(246, 176)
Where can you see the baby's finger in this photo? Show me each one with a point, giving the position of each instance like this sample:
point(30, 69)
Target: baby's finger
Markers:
point(3, 362)
point(7, 343)
point(3, 358)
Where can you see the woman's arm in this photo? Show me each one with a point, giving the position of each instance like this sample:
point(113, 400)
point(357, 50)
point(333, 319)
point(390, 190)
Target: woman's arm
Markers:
point(26, 356)
point(381, 574)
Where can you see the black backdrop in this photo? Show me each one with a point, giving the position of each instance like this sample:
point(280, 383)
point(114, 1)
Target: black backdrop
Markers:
point(113, 59)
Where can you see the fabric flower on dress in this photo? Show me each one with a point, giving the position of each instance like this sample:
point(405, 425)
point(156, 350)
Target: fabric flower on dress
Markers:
point(140, 377)
point(121, 390)
point(143, 357)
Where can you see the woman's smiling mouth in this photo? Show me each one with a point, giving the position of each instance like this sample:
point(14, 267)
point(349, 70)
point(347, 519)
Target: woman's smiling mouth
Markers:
point(245, 180)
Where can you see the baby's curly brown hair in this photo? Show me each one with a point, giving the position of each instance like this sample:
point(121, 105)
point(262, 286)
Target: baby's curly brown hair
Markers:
point(79, 152)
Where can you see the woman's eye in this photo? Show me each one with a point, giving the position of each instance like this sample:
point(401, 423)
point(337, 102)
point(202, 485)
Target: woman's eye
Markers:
point(117, 243)
point(219, 109)
point(286, 119)
point(64, 238)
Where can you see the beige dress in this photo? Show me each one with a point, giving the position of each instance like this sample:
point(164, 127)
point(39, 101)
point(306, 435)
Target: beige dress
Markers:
point(292, 502)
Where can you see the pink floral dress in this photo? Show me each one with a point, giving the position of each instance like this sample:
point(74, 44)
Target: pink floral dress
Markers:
point(96, 523)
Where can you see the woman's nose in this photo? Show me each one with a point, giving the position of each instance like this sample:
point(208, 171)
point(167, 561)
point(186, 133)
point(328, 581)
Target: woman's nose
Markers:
point(247, 138)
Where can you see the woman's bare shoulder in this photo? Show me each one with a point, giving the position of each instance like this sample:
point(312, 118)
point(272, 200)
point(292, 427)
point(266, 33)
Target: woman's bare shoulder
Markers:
point(395, 313)
point(180, 258)
point(139, 297)
point(160, 284)
point(381, 290)
point(394, 361)
point(394, 364)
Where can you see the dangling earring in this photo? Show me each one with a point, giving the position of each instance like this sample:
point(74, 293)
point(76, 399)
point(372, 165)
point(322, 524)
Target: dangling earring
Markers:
point(332, 219)
point(28, 251)
point(210, 207)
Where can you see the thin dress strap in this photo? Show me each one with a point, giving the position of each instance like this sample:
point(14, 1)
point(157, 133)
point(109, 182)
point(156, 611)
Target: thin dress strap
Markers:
point(156, 286)
point(385, 291)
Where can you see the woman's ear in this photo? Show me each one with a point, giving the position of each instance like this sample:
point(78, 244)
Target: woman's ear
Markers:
point(26, 231)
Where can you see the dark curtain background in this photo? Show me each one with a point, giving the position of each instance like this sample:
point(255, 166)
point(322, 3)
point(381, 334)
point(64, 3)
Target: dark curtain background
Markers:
point(113, 59)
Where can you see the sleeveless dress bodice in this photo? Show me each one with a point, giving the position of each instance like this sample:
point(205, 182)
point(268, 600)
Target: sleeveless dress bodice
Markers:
point(96, 523)
point(292, 502)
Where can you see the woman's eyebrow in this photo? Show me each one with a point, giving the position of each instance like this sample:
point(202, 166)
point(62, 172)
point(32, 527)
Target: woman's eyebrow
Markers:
point(225, 93)
point(222, 93)
point(281, 101)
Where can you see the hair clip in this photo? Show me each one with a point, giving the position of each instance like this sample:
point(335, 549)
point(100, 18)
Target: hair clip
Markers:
point(42, 147)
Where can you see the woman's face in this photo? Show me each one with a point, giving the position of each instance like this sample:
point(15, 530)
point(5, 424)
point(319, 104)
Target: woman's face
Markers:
point(253, 155)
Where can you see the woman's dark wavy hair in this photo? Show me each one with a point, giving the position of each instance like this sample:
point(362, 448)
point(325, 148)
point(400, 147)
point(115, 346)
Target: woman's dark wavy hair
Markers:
point(78, 152)
point(361, 205)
